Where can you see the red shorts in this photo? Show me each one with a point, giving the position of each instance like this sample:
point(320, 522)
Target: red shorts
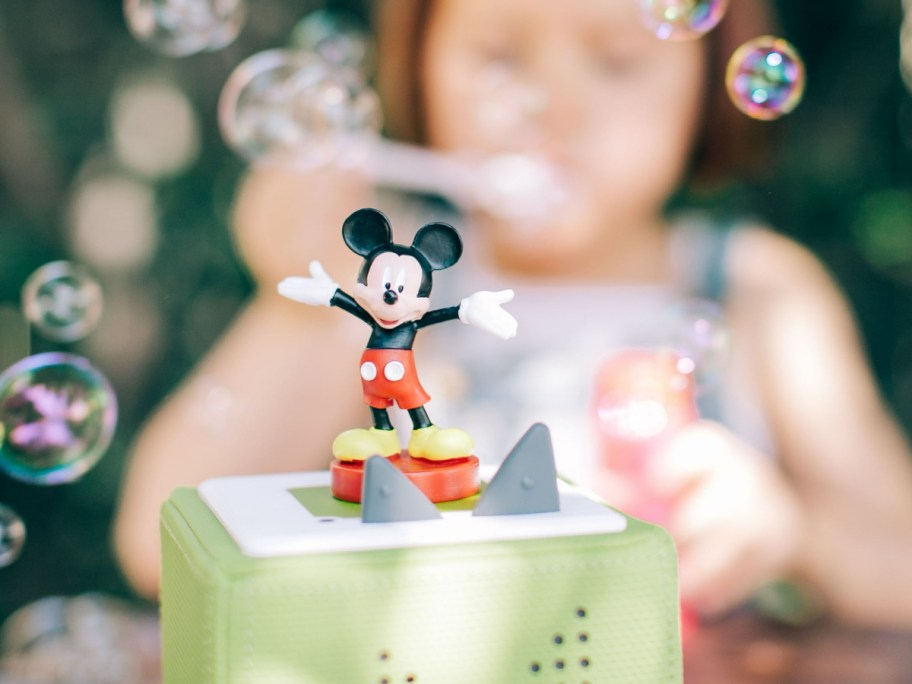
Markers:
point(389, 375)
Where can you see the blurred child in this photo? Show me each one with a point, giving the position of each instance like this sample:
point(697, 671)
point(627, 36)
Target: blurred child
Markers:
point(801, 475)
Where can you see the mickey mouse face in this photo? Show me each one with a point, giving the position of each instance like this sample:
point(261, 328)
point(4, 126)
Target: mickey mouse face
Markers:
point(390, 291)
point(395, 280)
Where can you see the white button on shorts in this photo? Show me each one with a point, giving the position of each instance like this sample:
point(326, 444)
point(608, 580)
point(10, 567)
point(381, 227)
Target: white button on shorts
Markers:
point(368, 371)
point(394, 371)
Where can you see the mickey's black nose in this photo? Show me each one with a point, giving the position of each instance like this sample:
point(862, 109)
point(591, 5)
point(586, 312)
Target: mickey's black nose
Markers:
point(390, 296)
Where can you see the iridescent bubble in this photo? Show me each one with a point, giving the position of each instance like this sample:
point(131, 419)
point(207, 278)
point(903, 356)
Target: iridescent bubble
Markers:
point(290, 108)
point(336, 37)
point(681, 19)
point(698, 333)
point(765, 78)
point(57, 417)
point(185, 27)
point(62, 300)
point(12, 535)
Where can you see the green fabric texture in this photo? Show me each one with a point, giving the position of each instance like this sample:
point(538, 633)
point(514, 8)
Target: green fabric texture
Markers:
point(600, 608)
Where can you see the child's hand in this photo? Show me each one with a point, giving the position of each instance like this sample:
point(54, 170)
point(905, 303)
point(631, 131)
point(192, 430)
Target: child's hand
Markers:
point(318, 290)
point(484, 310)
point(736, 519)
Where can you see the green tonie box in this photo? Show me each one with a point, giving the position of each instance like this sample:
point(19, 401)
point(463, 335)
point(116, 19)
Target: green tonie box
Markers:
point(269, 580)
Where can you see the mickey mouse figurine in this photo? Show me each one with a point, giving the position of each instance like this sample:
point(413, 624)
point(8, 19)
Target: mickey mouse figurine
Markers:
point(392, 297)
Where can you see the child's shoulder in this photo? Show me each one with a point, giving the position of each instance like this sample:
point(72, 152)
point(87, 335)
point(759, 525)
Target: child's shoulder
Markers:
point(762, 261)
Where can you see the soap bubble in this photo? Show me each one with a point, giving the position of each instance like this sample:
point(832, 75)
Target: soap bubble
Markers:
point(12, 536)
point(290, 108)
point(62, 300)
point(57, 417)
point(337, 38)
point(681, 19)
point(697, 331)
point(185, 27)
point(765, 78)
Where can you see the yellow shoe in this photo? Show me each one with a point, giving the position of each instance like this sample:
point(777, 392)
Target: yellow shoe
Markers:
point(436, 444)
point(360, 444)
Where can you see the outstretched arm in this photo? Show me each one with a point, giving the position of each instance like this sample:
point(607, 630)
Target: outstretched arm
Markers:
point(320, 290)
point(485, 310)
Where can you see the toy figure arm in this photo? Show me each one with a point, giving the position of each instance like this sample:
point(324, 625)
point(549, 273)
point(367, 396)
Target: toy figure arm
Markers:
point(483, 310)
point(318, 290)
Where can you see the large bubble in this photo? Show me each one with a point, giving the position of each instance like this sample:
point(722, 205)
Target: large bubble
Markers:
point(62, 301)
point(290, 108)
point(765, 78)
point(57, 417)
point(185, 27)
point(12, 535)
point(681, 19)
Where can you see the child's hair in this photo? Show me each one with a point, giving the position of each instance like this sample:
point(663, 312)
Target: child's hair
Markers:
point(729, 145)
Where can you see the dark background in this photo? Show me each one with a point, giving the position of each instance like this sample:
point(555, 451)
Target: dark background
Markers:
point(839, 183)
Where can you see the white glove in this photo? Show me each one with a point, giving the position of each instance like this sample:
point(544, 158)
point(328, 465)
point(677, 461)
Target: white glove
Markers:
point(318, 290)
point(483, 310)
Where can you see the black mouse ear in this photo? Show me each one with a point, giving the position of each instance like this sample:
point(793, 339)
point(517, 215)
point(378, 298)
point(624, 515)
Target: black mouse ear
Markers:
point(439, 243)
point(365, 230)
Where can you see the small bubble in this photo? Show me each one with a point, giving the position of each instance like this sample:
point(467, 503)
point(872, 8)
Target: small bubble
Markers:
point(681, 19)
point(765, 78)
point(12, 536)
point(57, 417)
point(185, 27)
point(62, 301)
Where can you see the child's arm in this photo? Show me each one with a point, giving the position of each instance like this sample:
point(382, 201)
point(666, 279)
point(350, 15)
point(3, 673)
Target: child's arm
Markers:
point(276, 388)
point(836, 510)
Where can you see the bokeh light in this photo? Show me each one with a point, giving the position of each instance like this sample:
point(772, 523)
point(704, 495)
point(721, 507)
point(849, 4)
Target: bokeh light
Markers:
point(12, 535)
point(62, 301)
point(882, 227)
point(290, 108)
point(337, 38)
point(185, 27)
point(765, 78)
point(113, 222)
point(154, 127)
point(681, 19)
point(57, 417)
point(697, 332)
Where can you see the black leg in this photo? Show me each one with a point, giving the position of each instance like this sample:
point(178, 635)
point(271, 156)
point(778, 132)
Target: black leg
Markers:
point(419, 418)
point(381, 419)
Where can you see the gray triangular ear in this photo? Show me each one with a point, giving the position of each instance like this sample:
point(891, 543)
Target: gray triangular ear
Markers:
point(389, 496)
point(439, 243)
point(365, 230)
point(526, 481)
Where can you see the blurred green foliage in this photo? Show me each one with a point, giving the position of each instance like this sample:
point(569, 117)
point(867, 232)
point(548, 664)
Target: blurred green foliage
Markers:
point(840, 183)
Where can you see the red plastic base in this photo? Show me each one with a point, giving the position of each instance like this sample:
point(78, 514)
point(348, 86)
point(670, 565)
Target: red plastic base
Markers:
point(439, 480)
